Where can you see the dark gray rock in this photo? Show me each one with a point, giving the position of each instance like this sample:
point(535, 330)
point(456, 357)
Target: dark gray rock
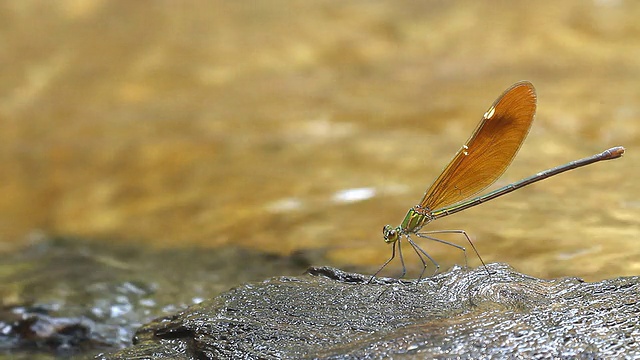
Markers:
point(75, 297)
point(463, 313)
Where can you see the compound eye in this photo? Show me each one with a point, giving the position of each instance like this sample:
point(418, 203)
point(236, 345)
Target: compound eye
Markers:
point(387, 231)
point(390, 234)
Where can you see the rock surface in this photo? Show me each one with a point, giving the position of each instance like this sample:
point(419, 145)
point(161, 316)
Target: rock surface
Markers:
point(66, 297)
point(463, 313)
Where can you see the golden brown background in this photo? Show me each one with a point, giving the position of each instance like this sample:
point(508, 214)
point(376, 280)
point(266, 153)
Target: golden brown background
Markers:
point(220, 122)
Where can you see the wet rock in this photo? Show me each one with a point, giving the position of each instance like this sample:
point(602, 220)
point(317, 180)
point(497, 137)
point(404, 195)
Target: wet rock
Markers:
point(463, 313)
point(75, 297)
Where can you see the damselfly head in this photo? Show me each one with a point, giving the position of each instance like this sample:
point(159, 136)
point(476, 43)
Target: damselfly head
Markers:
point(390, 234)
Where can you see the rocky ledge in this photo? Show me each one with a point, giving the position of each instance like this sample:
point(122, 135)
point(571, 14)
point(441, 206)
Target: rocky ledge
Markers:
point(463, 313)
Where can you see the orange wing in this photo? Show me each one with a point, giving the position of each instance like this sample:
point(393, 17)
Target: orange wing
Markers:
point(489, 150)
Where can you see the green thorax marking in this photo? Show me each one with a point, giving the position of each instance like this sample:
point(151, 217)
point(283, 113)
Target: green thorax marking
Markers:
point(416, 218)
